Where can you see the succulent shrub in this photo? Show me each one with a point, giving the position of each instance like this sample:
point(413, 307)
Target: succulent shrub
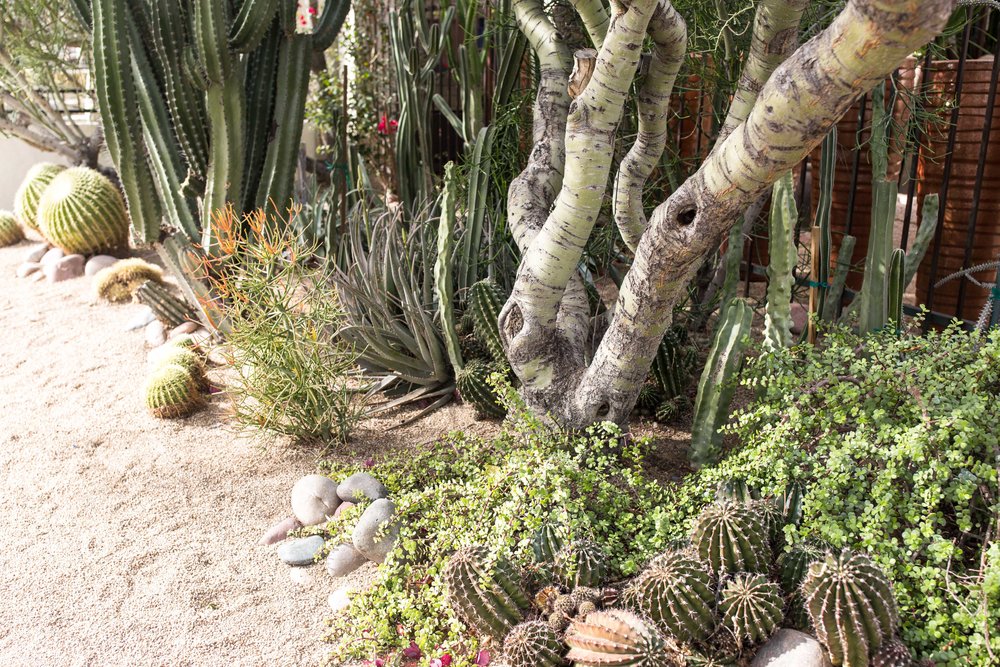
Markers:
point(534, 644)
point(732, 537)
point(119, 282)
point(675, 591)
point(10, 230)
point(485, 591)
point(750, 607)
point(171, 392)
point(81, 211)
point(618, 637)
point(30, 192)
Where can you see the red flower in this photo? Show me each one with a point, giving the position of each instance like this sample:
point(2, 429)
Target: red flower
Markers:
point(483, 658)
point(393, 125)
point(445, 660)
point(382, 126)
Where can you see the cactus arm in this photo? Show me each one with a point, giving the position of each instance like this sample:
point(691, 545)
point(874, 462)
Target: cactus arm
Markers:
point(328, 27)
point(716, 387)
point(251, 24)
point(839, 279)
point(923, 238)
point(210, 38)
point(83, 12)
point(182, 261)
point(225, 119)
point(828, 157)
point(260, 85)
point(778, 318)
point(443, 282)
point(896, 288)
point(482, 165)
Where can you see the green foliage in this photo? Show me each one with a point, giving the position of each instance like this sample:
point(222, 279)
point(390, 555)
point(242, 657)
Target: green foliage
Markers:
point(10, 229)
point(81, 211)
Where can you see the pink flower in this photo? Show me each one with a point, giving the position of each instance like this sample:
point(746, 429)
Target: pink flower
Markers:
point(445, 660)
point(393, 125)
point(369, 463)
point(436, 662)
point(483, 658)
point(382, 126)
point(412, 651)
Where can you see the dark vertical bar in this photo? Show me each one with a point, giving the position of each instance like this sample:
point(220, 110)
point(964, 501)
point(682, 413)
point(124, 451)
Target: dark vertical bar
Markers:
point(857, 162)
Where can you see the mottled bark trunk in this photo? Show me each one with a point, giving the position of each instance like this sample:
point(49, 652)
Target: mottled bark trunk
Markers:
point(772, 128)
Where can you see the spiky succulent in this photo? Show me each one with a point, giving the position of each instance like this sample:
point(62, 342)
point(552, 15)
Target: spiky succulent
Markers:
point(750, 607)
point(620, 638)
point(546, 542)
point(670, 409)
point(893, 653)
point(474, 387)
point(186, 358)
point(32, 187)
point(119, 282)
point(649, 398)
point(851, 606)
point(581, 563)
point(732, 537)
point(172, 391)
point(169, 308)
point(675, 592)
point(81, 211)
point(485, 302)
point(10, 230)
point(533, 644)
point(485, 591)
point(792, 568)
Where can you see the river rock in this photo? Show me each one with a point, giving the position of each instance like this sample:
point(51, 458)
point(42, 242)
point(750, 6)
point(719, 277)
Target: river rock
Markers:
point(52, 255)
point(301, 551)
point(314, 498)
point(342, 507)
point(279, 531)
point(155, 334)
point(97, 263)
point(67, 268)
point(26, 269)
point(340, 598)
point(791, 648)
point(343, 560)
point(141, 319)
point(35, 253)
point(366, 536)
point(181, 329)
point(361, 485)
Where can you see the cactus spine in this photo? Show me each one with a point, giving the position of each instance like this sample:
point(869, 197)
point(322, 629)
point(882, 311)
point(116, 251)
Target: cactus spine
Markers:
point(732, 537)
point(751, 607)
point(675, 592)
point(118, 283)
point(620, 638)
point(581, 563)
point(30, 192)
point(851, 606)
point(546, 543)
point(784, 216)
point(82, 212)
point(171, 392)
point(168, 308)
point(793, 565)
point(485, 302)
point(10, 230)
point(485, 592)
point(533, 644)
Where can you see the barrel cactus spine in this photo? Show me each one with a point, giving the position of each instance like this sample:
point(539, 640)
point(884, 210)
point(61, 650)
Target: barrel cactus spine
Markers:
point(850, 603)
point(618, 637)
point(675, 592)
point(172, 392)
point(750, 607)
point(893, 653)
point(10, 230)
point(485, 591)
point(82, 212)
point(176, 355)
point(166, 306)
point(30, 191)
point(546, 542)
point(581, 563)
point(793, 565)
point(732, 537)
point(534, 644)
point(474, 387)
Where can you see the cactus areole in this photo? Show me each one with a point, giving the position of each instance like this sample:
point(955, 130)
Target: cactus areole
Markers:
point(789, 98)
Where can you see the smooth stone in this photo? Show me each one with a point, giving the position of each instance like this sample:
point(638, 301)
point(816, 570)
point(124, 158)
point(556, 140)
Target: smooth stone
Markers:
point(366, 534)
point(67, 268)
point(301, 551)
point(144, 317)
point(301, 577)
point(314, 498)
point(155, 334)
point(97, 263)
point(341, 507)
point(181, 329)
point(361, 485)
point(343, 560)
point(37, 276)
point(52, 255)
point(340, 598)
point(26, 269)
point(791, 648)
point(279, 531)
point(35, 253)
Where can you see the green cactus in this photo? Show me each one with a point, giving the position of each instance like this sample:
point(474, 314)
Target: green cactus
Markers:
point(485, 591)
point(675, 592)
point(171, 392)
point(533, 644)
point(671, 409)
point(750, 607)
point(717, 384)
point(650, 397)
point(736, 490)
point(896, 288)
point(781, 240)
point(444, 283)
point(82, 212)
point(474, 388)
point(732, 537)
point(118, 283)
point(793, 565)
point(893, 653)
point(168, 308)
point(485, 301)
point(581, 563)
point(10, 230)
point(30, 191)
point(674, 363)
point(179, 355)
point(546, 543)
point(617, 637)
point(851, 606)
point(831, 304)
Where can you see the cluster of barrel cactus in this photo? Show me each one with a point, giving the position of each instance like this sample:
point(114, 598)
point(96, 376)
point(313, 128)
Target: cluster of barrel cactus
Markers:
point(10, 230)
point(177, 379)
point(30, 192)
point(483, 350)
point(711, 601)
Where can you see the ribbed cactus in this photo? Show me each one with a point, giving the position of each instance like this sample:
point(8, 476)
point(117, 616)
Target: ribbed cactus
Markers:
point(485, 301)
point(10, 230)
point(81, 211)
point(717, 384)
point(750, 607)
point(565, 607)
point(896, 287)
point(474, 388)
point(533, 644)
point(546, 542)
point(675, 592)
point(732, 537)
point(485, 591)
point(178, 355)
point(581, 563)
point(168, 307)
point(675, 361)
point(620, 638)
point(119, 282)
point(172, 391)
point(672, 408)
point(32, 187)
point(893, 653)
point(793, 565)
point(851, 606)
point(781, 245)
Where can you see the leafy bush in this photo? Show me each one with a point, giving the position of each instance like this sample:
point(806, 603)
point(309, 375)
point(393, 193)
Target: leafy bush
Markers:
point(293, 373)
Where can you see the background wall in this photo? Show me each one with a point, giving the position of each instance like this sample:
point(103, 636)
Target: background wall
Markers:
point(17, 158)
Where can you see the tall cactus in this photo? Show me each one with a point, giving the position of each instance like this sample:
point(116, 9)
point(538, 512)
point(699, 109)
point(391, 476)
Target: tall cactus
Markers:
point(784, 215)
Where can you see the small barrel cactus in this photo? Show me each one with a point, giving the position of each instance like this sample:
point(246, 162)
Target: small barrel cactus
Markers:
point(546, 542)
point(533, 644)
point(485, 591)
point(751, 607)
point(169, 308)
point(851, 606)
point(10, 230)
point(675, 592)
point(120, 281)
point(617, 637)
point(893, 653)
point(32, 187)
point(581, 563)
point(732, 537)
point(485, 302)
point(172, 391)
point(81, 211)
point(670, 409)
point(794, 564)
point(474, 387)
point(175, 355)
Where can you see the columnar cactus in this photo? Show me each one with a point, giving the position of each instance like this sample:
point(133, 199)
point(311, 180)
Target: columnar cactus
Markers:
point(485, 591)
point(168, 307)
point(675, 592)
point(485, 301)
point(81, 211)
point(851, 606)
point(533, 644)
point(32, 187)
point(474, 387)
point(171, 392)
point(732, 537)
point(675, 360)
point(617, 637)
point(119, 282)
point(581, 563)
point(751, 607)
point(10, 230)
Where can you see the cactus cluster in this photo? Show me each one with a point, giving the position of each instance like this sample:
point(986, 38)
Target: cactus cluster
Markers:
point(675, 592)
point(732, 537)
point(30, 192)
point(484, 303)
point(176, 380)
point(169, 308)
point(119, 282)
point(485, 591)
point(82, 212)
point(560, 609)
point(581, 563)
point(618, 637)
point(10, 230)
